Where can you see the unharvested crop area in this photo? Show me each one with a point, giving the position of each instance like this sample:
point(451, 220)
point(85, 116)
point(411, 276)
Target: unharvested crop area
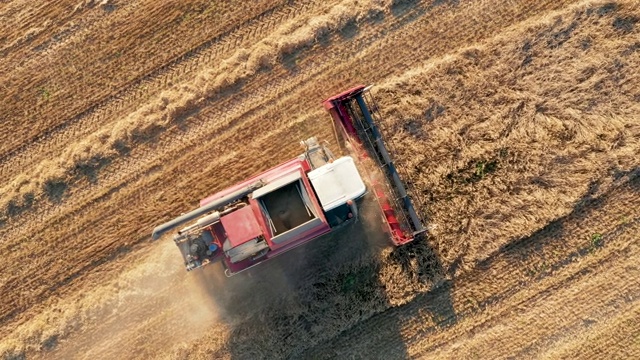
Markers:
point(517, 123)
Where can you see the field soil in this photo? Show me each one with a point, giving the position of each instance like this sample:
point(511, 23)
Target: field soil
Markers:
point(516, 125)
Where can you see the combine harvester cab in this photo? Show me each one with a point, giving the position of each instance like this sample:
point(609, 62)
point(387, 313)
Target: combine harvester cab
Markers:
point(270, 213)
point(355, 115)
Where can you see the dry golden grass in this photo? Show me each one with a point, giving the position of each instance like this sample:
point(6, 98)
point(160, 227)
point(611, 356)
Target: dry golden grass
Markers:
point(497, 111)
point(124, 185)
point(118, 311)
point(507, 135)
point(61, 69)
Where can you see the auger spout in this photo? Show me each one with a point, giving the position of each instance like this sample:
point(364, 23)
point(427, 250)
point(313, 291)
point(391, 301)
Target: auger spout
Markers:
point(216, 204)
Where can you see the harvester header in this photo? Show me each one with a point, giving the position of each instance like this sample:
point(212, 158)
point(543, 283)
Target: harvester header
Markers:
point(355, 113)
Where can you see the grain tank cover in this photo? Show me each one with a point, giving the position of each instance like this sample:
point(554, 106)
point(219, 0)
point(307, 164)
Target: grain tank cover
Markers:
point(337, 182)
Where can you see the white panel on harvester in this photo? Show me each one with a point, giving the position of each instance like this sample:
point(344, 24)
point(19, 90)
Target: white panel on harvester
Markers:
point(337, 182)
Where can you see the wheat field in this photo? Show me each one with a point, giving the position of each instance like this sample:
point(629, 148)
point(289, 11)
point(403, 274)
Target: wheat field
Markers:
point(517, 125)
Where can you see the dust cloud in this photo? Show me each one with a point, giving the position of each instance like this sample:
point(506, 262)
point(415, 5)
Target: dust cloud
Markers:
point(154, 304)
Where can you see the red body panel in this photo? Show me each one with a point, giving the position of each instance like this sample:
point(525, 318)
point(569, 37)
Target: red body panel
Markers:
point(241, 226)
point(329, 103)
point(288, 167)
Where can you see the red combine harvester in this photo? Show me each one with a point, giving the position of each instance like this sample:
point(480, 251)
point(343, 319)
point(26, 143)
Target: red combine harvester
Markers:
point(301, 199)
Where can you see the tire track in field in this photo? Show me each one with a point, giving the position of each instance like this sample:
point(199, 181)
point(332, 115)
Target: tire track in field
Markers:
point(614, 336)
point(428, 302)
point(223, 108)
point(114, 105)
point(30, 21)
point(140, 86)
point(96, 254)
point(195, 135)
point(611, 262)
point(74, 19)
point(103, 243)
point(160, 182)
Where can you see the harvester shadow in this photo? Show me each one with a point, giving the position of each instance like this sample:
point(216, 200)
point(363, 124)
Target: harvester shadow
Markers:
point(421, 263)
point(311, 295)
point(381, 335)
point(330, 284)
point(437, 303)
